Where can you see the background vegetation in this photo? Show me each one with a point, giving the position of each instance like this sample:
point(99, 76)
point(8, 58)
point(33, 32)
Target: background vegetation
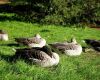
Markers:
point(56, 11)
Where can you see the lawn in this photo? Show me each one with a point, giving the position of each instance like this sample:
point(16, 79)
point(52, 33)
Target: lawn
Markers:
point(83, 67)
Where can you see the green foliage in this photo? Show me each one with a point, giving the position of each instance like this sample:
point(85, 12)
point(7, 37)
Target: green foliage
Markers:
point(58, 11)
point(53, 19)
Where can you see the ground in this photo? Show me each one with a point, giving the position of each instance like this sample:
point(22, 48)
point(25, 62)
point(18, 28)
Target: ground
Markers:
point(83, 67)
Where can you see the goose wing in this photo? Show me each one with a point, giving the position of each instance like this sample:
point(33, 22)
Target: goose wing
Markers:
point(31, 53)
point(45, 49)
point(93, 43)
point(68, 46)
point(27, 40)
point(22, 40)
point(35, 40)
point(71, 46)
point(58, 46)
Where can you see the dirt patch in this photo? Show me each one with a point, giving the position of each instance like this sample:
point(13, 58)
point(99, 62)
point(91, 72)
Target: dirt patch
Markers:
point(4, 2)
point(95, 26)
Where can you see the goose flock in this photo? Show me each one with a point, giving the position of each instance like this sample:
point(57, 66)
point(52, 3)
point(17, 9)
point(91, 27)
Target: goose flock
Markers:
point(46, 55)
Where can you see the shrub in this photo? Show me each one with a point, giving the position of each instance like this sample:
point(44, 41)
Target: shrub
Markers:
point(59, 11)
point(53, 19)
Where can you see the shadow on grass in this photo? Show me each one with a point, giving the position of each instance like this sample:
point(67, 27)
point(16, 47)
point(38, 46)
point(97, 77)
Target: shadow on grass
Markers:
point(9, 18)
point(13, 44)
point(21, 10)
point(7, 58)
point(10, 45)
point(14, 59)
point(45, 30)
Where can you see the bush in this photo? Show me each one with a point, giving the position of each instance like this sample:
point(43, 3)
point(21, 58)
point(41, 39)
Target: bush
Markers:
point(53, 19)
point(60, 11)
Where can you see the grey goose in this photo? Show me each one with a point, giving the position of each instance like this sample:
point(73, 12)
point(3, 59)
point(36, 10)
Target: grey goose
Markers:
point(35, 41)
point(70, 48)
point(43, 57)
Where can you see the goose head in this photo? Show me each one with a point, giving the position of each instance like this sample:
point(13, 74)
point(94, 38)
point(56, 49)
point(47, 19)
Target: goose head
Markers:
point(53, 55)
point(37, 36)
point(48, 50)
point(73, 40)
point(2, 32)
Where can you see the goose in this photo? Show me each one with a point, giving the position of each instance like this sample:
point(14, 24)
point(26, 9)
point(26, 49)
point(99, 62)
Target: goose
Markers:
point(95, 44)
point(71, 49)
point(35, 41)
point(43, 57)
point(3, 35)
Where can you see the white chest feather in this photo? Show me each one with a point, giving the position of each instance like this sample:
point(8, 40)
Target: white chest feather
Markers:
point(47, 61)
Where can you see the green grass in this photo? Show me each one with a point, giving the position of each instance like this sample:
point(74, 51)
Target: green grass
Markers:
point(83, 67)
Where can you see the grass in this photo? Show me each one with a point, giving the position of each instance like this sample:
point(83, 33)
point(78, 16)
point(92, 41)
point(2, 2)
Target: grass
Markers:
point(83, 67)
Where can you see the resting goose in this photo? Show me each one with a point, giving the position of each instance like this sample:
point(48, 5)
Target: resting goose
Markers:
point(3, 35)
point(36, 41)
point(43, 57)
point(95, 44)
point(71, 49)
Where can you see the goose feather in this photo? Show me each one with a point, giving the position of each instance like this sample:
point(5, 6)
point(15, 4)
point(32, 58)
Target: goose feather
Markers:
point(39, 56)
point(72, 48)
point(32, 42)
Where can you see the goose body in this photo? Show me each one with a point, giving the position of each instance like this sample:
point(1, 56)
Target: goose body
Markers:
point(95, 44)
point(36, 41)
point(71, 49)
point(3, 35)
point(39, 56)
